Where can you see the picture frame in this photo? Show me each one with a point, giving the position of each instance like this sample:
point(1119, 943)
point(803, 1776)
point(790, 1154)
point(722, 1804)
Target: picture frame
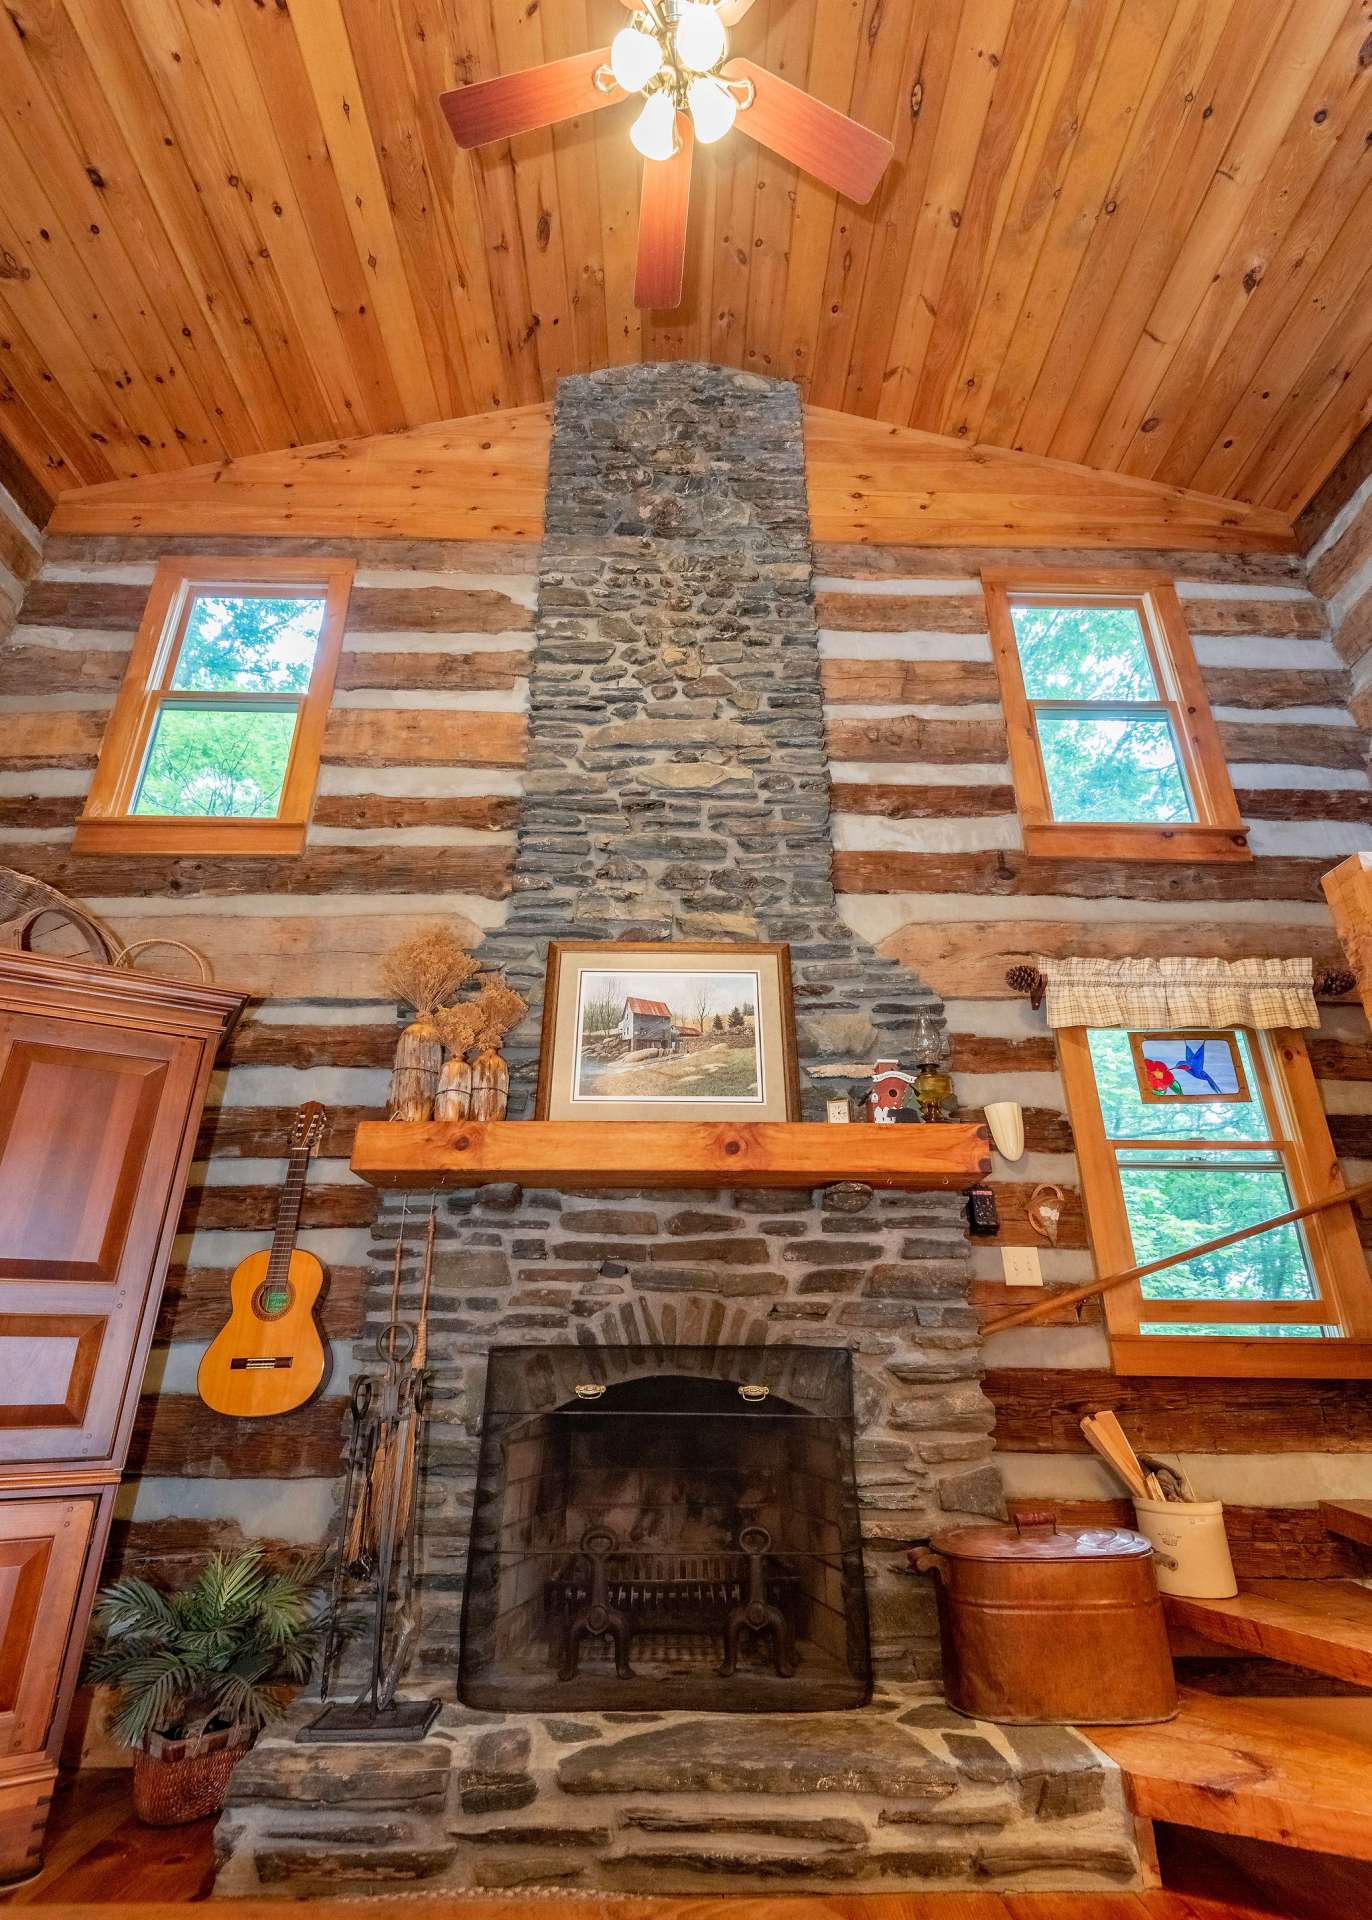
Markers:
point(1206, 1068)
point(656, 1030)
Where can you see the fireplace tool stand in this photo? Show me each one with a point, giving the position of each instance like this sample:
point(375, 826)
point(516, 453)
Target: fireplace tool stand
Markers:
point(379, 1541)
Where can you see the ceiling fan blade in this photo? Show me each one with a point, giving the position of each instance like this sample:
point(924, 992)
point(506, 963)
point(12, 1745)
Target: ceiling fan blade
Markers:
point(730, 11)
point(821, 140)
point(520, 102)
point(662, 225)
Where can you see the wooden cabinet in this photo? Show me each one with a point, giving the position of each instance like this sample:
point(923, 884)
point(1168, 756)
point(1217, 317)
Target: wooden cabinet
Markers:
point(44, 1542)
point(102, 1078)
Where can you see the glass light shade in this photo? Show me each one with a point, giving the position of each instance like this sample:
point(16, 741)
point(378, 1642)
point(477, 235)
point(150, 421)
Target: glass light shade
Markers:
point(713, 108)
point(654, 131)
point(634, 58)
point(928, 1041)
point(700, 36)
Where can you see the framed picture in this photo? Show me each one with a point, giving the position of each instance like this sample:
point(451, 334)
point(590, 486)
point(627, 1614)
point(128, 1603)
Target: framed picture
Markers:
point(1197, 1067)
point(639, 1030)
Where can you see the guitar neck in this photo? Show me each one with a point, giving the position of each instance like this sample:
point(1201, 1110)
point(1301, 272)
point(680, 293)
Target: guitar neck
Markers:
point(288, 1216)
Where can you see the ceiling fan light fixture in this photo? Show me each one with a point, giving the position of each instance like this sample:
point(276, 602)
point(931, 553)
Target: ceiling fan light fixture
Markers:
point(713, 108)
point(654, 131)
point(700, 38)
point(635, 58)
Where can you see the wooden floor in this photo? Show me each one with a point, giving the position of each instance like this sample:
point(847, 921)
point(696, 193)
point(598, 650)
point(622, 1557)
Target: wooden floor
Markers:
point(101, 1861)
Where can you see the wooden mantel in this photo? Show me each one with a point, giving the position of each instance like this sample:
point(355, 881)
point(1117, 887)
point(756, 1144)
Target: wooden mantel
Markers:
point(631, 1154)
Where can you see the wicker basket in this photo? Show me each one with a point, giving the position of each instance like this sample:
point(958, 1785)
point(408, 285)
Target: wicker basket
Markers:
point(177, 1781)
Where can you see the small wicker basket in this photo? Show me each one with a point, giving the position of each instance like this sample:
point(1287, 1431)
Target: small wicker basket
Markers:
point(177, 1781)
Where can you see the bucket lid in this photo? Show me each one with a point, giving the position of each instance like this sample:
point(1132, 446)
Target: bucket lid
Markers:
point(1045, 1540)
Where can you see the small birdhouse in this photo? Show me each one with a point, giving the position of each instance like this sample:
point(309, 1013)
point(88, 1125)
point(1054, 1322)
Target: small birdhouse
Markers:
point(892, 1089)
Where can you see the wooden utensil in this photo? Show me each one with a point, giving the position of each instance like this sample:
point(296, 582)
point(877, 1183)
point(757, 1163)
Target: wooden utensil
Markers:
point(1126, 1467)
point(1107, 1421)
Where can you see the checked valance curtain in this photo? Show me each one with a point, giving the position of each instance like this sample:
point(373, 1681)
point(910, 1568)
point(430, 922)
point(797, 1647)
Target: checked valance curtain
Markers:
point(1175, 994)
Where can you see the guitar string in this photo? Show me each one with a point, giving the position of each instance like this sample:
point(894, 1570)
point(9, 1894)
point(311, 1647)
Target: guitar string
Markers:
point(276, 1279)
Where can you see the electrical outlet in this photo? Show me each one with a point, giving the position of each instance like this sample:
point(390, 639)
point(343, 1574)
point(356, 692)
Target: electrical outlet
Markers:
point(1022, 1268)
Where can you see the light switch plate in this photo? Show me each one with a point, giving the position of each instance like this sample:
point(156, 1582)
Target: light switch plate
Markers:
point(1022, 1266)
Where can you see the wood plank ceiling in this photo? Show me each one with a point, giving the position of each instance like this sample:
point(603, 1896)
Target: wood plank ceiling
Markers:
point(1135, 234)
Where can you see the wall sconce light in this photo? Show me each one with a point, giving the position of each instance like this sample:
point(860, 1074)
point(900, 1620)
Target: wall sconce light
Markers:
point(1005, 1118)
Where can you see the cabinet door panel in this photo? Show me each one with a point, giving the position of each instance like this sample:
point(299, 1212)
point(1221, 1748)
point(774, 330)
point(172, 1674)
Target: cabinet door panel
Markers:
point(92, 1119)
point(75, 1127)
point(42, 1554)
point(48, 1365)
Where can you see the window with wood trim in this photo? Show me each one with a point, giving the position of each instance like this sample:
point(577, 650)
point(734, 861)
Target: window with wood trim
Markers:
point(1113, 748)
point(213, 745)
point(1182, 1138)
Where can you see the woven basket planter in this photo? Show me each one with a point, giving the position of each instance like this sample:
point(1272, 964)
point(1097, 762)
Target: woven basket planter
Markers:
point(177, 1781)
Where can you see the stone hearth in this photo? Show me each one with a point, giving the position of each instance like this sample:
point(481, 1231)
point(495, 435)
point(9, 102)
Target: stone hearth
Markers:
point(677, 787)
point(905, 1794)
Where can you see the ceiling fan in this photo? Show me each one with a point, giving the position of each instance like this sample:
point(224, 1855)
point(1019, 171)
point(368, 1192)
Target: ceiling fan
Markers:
point(673, 55)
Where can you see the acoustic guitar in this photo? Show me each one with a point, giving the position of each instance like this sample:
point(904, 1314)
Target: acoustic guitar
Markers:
point(269, 1358)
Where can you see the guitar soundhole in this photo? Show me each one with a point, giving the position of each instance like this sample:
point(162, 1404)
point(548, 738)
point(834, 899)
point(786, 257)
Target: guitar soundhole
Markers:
point(272, 1300)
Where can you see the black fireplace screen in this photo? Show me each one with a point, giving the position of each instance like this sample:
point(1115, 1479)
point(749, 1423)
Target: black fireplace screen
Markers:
point(666, 1527)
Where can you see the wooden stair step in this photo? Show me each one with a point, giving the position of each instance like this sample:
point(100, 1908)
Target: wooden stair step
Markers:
point(1324, 1625)
point(1351, 1519)
point(1229, 1767)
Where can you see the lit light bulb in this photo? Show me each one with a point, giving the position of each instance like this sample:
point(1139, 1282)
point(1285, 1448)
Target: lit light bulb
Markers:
point(713, 108)
point(700, 37)
point(654, 131)
point(634, 58)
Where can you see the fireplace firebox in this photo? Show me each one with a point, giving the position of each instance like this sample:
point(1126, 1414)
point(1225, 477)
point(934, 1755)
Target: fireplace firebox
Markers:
point(666, 1527)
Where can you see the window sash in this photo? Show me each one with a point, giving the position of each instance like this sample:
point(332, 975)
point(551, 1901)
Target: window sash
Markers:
point(1161, 708)
point(108, 822)
point(228, 702)
point(174, 637)
point(1299, 1133)
point(1216, 830)
point(1124, 711)
point(1217, 1306)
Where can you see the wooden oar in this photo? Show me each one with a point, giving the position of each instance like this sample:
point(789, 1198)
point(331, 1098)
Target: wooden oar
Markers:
point(1023, 1315)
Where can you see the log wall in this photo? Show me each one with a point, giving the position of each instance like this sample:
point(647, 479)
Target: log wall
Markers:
point(418, 797)
point(1338, 528)
point(20, 542)
point(930, 866)
point(419, 786)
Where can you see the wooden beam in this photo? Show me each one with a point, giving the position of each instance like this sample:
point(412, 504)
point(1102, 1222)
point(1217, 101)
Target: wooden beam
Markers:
point(1039, 1410)
point(559, 1153)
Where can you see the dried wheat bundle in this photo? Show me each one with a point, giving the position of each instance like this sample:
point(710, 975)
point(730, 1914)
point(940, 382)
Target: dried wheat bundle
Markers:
point(457, 1027)
point(497, 1009)
point(457, 1030)
point(424, 971)
point(427, 971)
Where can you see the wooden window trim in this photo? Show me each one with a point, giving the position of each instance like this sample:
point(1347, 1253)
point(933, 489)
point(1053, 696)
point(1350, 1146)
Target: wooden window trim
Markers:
point(1288, 1085)
point(106, 825)
point(1219, 834)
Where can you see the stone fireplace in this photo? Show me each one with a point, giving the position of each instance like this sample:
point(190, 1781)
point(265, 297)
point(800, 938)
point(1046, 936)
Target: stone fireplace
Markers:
point(677, 787)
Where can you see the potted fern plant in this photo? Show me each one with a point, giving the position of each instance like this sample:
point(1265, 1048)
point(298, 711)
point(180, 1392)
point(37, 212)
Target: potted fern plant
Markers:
point(198, 1673)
